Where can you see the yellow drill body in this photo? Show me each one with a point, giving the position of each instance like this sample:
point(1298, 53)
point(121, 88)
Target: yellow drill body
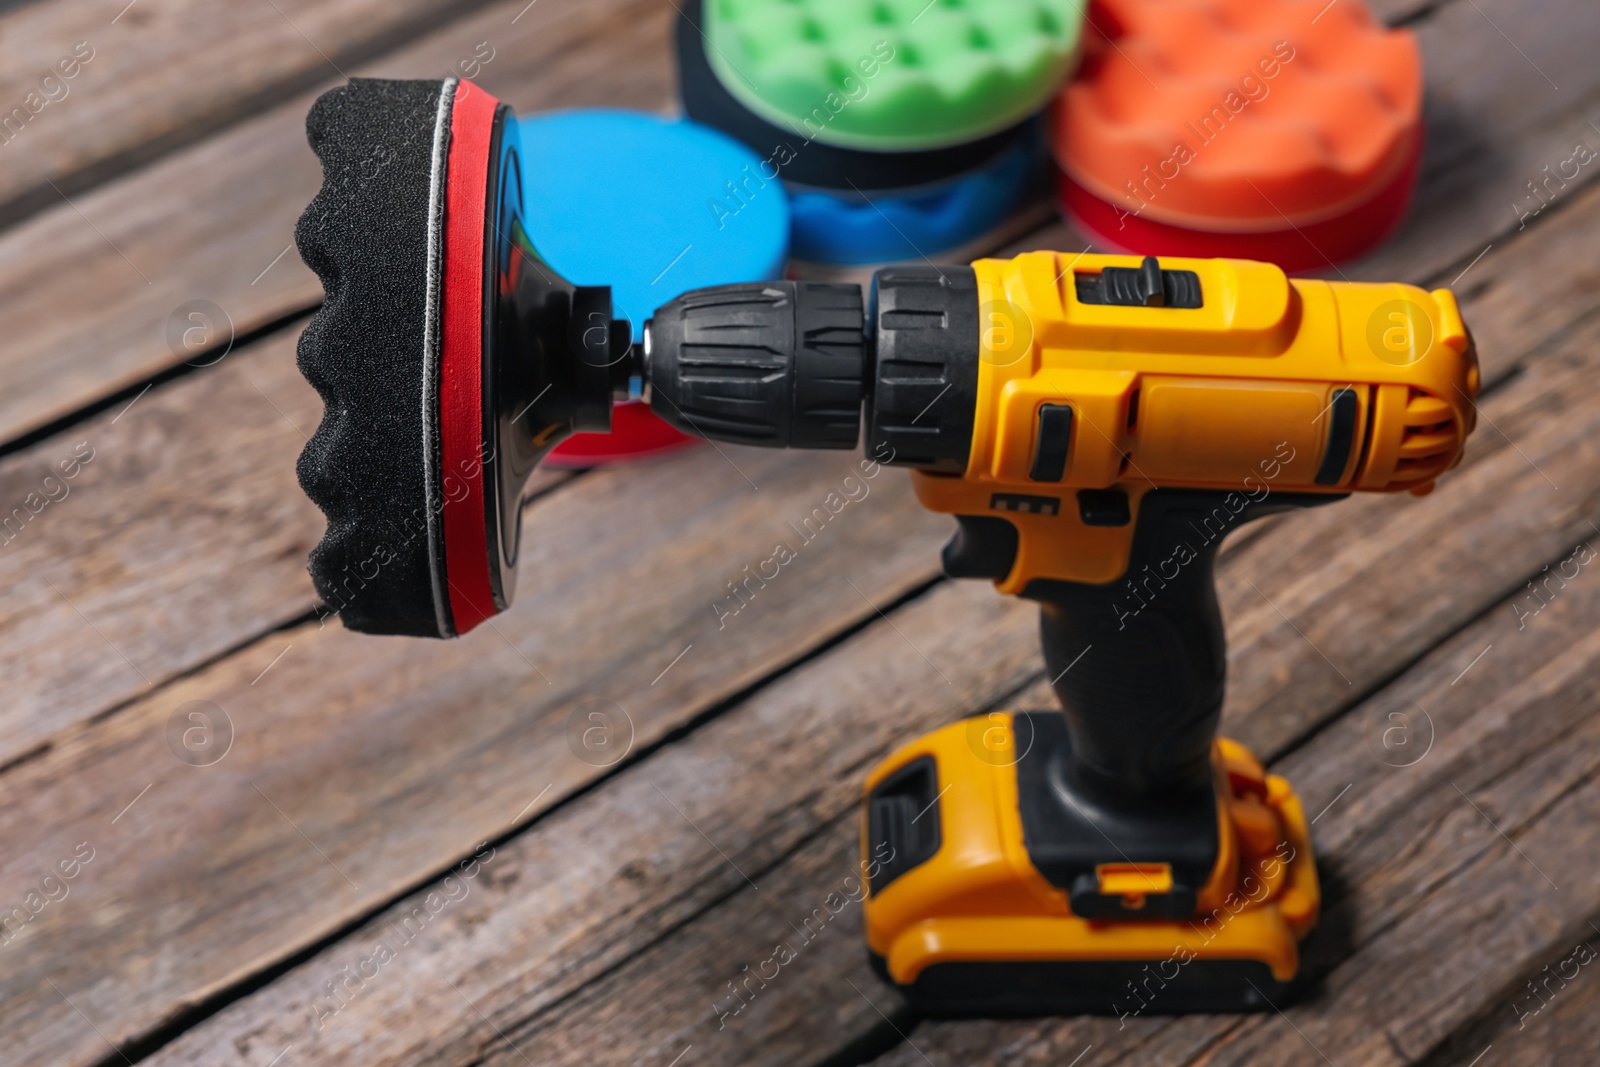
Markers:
point(1271, 387)
point(1234, 395)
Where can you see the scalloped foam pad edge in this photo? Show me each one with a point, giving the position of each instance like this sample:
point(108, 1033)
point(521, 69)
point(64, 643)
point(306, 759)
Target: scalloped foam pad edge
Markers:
point(395, 352)
point(893, 75)
point(1240, 116)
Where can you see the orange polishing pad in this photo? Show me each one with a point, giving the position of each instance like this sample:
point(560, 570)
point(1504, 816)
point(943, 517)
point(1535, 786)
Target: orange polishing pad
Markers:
point(1240, 117)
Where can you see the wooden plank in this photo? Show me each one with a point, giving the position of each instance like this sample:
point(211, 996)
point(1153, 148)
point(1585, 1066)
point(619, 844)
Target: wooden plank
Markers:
point(1550, 409)
point(367, 689)
point(156, 76)
point(622, 571)
point(598, 887)
point(214, 222)
point(164, 551)
point(182, 535)
point(148, 798)
point(47, 781)
point(1545, 1017)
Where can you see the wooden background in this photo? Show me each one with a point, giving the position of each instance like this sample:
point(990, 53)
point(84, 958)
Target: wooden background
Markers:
point(227, 909)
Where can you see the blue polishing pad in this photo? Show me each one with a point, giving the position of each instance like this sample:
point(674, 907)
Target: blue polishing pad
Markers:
point(651, 207)
point(885, 228)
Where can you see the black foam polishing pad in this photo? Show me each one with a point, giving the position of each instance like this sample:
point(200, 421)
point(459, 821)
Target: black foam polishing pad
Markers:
point(449, 357)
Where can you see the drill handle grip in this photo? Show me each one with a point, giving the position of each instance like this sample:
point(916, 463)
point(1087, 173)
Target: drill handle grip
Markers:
point(1139, 664)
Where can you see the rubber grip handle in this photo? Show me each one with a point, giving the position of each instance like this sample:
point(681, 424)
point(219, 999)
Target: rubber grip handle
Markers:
point(1139, 664)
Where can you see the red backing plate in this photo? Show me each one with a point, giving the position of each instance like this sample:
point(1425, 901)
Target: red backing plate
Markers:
point(636, 433)
point(461, 421)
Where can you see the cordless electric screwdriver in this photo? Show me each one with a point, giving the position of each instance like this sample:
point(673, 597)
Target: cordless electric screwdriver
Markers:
point(1096, 424)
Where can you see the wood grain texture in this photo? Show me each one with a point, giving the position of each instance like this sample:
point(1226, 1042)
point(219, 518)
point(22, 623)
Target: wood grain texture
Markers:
point(182, 535)
point(386, 706)
point(389, 754)
point(1546, 1017)
point(215, 873)
point(1424, 560)
point(591, 945)
point(165, 73)
point(215, 222)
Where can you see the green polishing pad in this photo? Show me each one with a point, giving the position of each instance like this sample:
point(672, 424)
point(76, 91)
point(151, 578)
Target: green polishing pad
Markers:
point(893, 75)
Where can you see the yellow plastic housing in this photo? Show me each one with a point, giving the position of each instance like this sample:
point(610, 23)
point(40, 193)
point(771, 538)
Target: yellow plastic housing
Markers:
point(1233, 395)
point(980, 899)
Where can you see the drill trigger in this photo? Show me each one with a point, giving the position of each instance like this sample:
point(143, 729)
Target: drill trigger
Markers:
point(984, 546)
